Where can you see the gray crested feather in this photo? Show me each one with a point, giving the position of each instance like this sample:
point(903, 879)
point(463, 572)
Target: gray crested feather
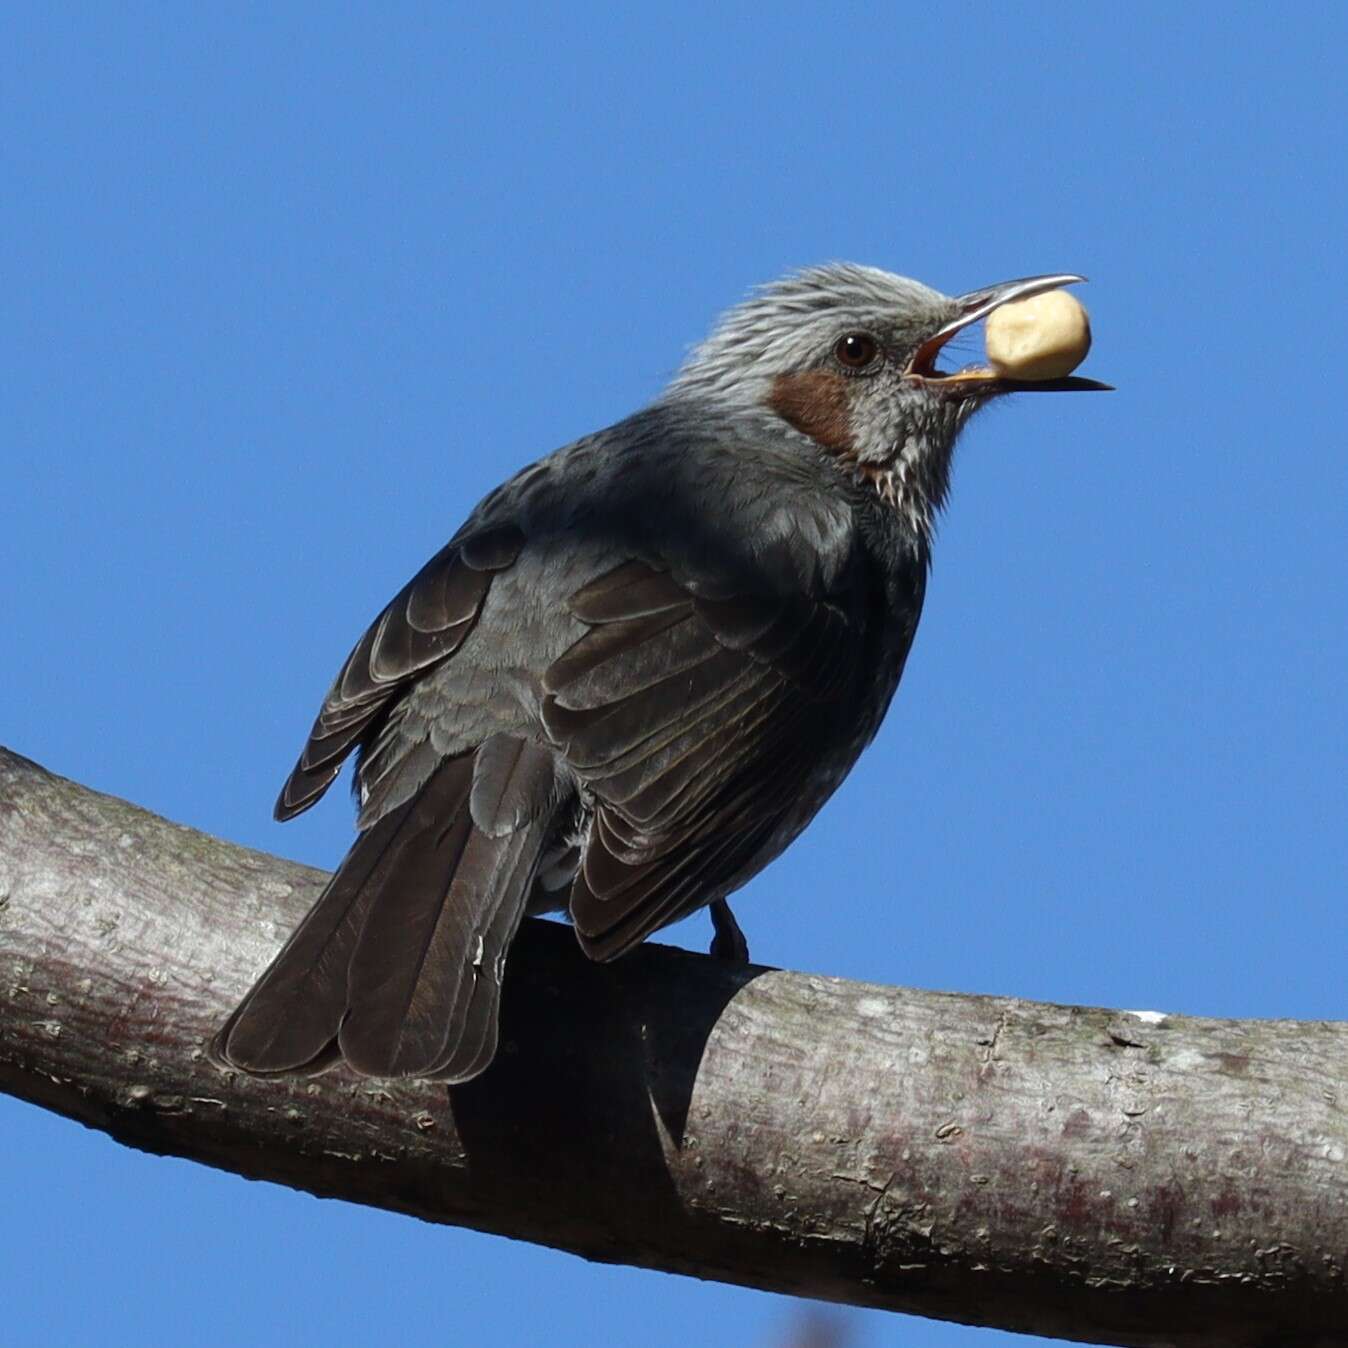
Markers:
point(782, 325)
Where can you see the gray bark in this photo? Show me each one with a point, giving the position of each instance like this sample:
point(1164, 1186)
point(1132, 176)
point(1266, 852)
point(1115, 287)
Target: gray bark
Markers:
point(1070, 1171)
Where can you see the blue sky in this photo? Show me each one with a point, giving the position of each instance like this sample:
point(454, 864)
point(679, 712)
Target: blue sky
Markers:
point(287, 288)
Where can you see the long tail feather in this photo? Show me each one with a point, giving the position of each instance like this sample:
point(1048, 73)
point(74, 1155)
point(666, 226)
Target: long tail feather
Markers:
point(397, 969)
point(291, 1016)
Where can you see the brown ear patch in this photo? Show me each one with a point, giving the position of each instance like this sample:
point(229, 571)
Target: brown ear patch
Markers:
point(817, 403)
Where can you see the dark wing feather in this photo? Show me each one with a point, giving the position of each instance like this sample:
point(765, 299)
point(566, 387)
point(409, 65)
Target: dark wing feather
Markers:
point(663, 893)
point(693, 723)
point(426, 622)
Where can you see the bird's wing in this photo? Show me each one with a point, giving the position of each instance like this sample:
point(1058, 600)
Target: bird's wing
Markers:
point(693, 723)
point(426, 622)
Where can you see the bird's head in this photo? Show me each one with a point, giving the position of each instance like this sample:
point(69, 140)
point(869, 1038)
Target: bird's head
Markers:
point(846, 357)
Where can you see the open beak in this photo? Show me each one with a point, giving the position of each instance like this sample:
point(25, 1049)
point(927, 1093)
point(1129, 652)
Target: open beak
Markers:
point(979, 381)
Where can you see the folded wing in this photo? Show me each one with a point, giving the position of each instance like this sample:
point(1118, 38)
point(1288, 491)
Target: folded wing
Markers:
point(695, 724)
point(426, 622)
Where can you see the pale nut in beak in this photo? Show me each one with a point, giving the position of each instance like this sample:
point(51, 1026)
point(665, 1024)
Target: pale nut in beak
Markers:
point(1043, 337)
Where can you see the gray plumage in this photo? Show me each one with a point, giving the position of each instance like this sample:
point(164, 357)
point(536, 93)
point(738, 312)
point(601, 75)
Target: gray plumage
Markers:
point(633, 675)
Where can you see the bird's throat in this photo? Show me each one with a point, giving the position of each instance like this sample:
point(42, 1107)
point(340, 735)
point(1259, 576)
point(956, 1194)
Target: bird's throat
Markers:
point(913, 480)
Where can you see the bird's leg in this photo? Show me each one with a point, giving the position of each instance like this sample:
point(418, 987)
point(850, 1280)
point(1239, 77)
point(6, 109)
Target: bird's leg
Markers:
point(729, 942)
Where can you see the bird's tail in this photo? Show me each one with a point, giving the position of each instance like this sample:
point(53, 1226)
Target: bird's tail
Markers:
point(397, 967)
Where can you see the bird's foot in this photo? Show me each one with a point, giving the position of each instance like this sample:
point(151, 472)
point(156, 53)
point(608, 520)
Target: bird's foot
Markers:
point(729, 942)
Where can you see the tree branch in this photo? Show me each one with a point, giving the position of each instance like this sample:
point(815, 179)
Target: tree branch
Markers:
point(1076, 1172)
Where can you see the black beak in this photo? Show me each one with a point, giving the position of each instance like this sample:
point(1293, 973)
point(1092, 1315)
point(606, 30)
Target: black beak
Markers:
point(978, 383)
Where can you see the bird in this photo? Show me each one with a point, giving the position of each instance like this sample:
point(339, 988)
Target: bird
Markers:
point(634, 674)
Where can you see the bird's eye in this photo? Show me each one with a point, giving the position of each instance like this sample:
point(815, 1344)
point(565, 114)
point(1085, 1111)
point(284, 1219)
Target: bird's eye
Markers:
point(856, 351)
